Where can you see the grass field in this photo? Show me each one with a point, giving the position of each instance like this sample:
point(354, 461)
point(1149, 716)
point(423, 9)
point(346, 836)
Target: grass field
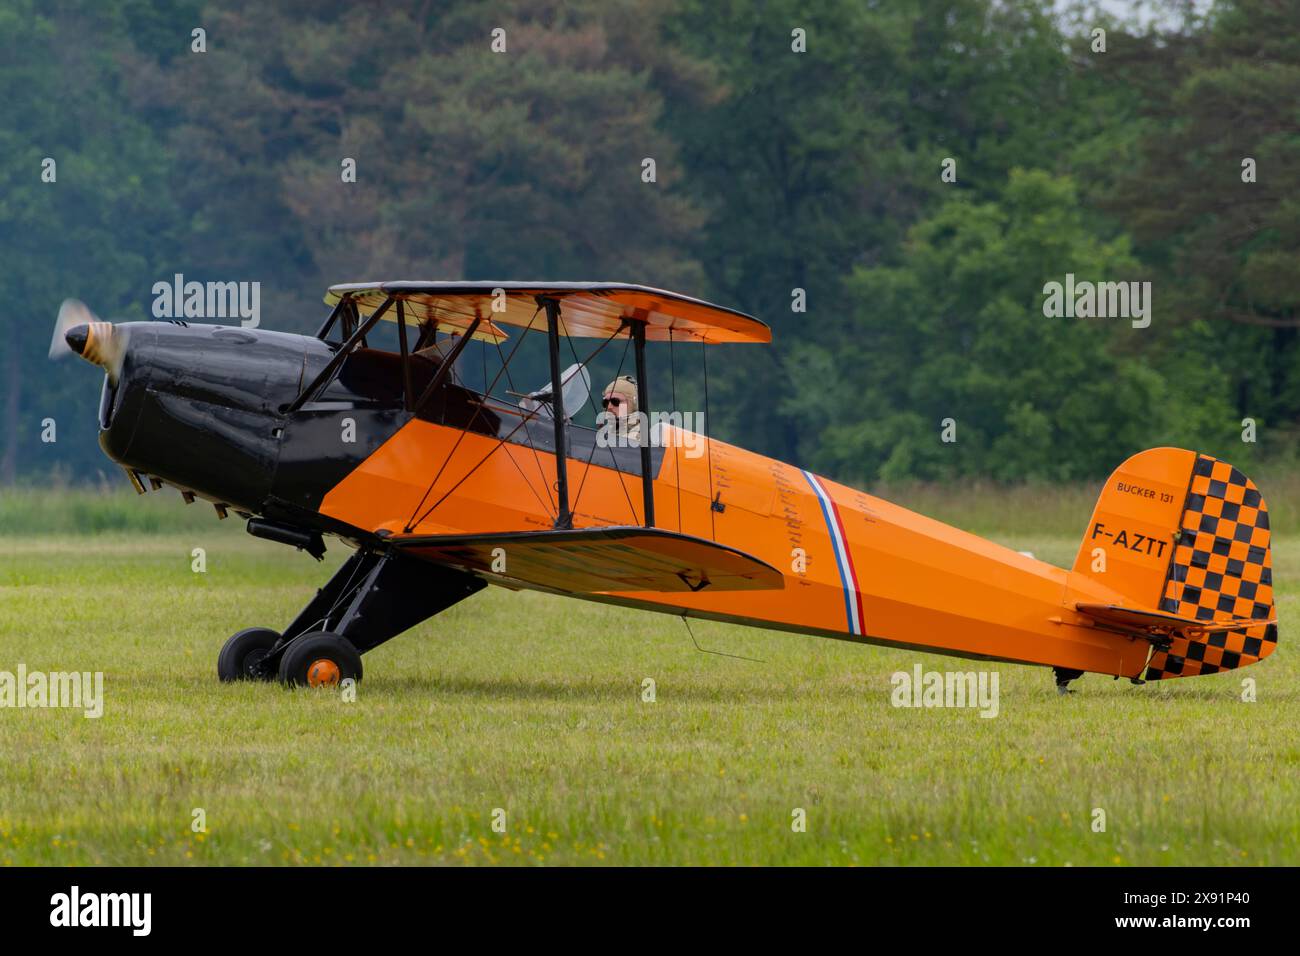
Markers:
point(532, 704)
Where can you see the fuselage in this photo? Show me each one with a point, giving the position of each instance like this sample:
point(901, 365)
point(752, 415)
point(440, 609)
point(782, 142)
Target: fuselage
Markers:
point(856, 567)
point(208, 409)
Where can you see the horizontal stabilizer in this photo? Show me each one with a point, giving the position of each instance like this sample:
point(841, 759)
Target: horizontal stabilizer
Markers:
point(1157, 623)
point(598, 560)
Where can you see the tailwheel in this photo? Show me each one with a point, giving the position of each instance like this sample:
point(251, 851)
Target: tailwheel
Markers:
point(243, 652)
point(320, 659)
point(1063, 677)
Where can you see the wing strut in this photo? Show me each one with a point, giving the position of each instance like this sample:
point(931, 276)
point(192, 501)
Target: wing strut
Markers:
point(564, 517)
point(643, 405)
point(336, 361)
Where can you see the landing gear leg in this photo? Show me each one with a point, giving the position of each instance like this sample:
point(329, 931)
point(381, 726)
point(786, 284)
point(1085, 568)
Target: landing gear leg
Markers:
point(1063, 677)
point(372, 598)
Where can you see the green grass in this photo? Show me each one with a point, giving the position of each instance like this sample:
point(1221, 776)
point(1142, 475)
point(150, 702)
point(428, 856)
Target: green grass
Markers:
point(91, 511)
point(533, 704)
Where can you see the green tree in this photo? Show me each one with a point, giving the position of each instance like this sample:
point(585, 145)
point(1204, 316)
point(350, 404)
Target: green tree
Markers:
point(96, 232)
point(958, 331)
point(816, 163)
point(1226, 250)
point(471, 162)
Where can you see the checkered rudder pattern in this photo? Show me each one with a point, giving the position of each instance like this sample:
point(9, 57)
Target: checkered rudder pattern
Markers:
point(1221, 569)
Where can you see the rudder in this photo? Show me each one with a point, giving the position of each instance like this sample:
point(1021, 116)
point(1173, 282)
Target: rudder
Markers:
point(1187, 534)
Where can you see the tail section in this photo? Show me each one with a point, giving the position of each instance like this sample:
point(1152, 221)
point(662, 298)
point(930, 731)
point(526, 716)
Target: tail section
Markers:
point(1181, 538)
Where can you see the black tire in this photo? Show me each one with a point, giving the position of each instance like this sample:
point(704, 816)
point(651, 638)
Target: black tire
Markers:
point(319, 659)
point(244, 649)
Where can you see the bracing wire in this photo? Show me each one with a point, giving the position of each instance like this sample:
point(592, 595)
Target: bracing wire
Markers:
point(410, 523)
point(524, 419)
point(704, 650)
point(529, 436)
point(591, 401)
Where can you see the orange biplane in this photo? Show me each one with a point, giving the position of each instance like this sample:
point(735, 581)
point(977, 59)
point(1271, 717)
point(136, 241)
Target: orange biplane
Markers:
point(444, 488)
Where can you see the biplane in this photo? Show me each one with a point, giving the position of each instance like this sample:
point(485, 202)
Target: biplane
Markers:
point(447, 488)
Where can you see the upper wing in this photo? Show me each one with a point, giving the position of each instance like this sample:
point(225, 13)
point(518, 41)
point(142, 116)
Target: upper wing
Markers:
point(596, 560)
point(597, 309)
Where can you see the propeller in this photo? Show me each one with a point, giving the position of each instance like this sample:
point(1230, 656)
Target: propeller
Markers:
point(78, 331)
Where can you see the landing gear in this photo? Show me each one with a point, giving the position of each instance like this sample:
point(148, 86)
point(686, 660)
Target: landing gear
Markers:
point(320, 659)
point(372, 598)
point(1063, 677)
point(242, 652)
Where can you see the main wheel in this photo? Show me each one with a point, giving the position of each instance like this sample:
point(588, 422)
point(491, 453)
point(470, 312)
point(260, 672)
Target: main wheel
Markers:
point(242, 651)
point(320, 659)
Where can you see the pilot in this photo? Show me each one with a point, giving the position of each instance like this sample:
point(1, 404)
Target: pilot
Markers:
point(620, 401)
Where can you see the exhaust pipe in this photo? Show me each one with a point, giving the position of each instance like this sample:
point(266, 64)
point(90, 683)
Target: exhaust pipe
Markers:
point(309, 541)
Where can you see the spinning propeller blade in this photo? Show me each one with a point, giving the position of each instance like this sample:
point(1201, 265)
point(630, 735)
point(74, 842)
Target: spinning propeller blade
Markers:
point(79, 331)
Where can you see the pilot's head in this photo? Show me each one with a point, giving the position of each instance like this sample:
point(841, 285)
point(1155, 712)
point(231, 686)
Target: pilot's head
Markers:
point(620, 397)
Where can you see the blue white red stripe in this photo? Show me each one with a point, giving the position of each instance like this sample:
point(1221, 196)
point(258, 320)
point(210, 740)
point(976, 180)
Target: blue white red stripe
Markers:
point(843, 558)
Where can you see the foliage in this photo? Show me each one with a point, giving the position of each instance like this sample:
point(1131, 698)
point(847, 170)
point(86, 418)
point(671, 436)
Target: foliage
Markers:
point(776, 170)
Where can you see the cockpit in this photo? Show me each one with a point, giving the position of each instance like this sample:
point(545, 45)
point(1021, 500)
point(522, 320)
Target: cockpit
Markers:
point(426, 378)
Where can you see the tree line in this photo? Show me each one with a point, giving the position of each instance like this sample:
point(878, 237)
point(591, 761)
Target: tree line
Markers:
point(891, 186)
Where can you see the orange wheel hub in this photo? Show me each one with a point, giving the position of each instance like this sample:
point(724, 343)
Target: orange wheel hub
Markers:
point(323, 673)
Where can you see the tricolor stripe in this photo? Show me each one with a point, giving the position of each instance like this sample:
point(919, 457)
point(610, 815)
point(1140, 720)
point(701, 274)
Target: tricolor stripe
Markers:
point(843, 559)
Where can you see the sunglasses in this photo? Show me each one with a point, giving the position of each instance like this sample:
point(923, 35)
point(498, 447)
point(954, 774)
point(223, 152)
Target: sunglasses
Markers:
point(613, 400)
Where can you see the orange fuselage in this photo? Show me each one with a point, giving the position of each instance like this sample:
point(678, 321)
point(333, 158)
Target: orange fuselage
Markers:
point(856, 567)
